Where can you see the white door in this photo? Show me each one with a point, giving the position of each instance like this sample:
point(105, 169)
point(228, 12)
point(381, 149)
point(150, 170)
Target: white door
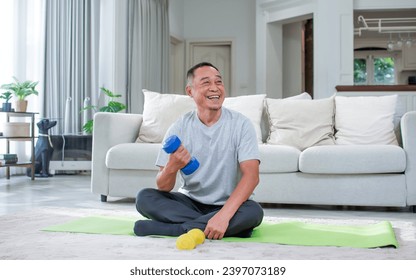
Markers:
point(219, 54)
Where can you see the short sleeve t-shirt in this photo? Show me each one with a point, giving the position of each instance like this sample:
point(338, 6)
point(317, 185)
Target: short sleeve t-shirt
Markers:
point(219, 149)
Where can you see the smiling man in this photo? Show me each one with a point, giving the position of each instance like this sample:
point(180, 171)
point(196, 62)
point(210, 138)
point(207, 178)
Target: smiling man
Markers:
point(216, 198)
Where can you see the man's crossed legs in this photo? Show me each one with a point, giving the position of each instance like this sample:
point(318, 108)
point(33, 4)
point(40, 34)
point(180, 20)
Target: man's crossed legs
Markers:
point(173, 213)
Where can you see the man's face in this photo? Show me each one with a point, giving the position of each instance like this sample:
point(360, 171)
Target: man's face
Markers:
point(207, 89)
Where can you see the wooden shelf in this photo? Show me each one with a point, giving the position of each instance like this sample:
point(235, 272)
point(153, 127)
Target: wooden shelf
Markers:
point(30, 138)
point(17, 138)
point(23, 164)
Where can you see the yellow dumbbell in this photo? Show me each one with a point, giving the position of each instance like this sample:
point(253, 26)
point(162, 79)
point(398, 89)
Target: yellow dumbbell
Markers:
point(189, 240)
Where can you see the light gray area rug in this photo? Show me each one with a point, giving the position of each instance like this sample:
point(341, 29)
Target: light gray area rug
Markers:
point(22, 238)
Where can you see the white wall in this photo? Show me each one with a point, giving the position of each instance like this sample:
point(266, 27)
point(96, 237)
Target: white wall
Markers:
point(177, 47)
point(333, 40)
point(226, 19)
point(383, 4)
point(256, 28)
point(333, 64)
point(292, 59)
point(176, 18)
point(188, 19)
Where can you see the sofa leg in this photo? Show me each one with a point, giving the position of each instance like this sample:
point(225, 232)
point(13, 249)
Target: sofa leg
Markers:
point(103, 198)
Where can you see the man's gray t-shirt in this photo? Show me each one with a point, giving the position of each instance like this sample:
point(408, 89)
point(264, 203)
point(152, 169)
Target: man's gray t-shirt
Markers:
point(219, 149)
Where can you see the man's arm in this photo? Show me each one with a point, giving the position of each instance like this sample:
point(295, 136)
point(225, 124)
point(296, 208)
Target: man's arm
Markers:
point(166, 177)
point(218, 224)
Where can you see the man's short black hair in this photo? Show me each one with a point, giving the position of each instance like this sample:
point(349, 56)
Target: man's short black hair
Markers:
point(190, 74)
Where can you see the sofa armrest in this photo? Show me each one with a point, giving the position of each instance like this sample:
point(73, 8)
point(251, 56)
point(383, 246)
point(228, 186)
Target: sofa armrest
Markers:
point(110, 129)
point(408, 130)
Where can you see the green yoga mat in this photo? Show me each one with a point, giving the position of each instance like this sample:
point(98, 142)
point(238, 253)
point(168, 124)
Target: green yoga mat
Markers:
point(290, 233)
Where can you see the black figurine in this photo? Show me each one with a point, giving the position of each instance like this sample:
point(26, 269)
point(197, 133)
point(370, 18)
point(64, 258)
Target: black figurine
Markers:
point(43, 149)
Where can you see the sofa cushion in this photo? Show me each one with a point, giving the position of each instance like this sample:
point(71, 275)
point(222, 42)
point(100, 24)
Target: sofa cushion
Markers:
point(274, 159)
point(278, 158)
point(302, 96)
point(265, 127)
point(301, 123)
point(365, 120)
point(250, 106)
point(159, 112)
point(353, 159)
point(133, 156)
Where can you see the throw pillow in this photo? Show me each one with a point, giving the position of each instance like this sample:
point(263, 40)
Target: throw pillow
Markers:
point(250, 106)
point(362, 120)
point(265, 118)
point(303, 95)
point(301, 123)
point(160, 111)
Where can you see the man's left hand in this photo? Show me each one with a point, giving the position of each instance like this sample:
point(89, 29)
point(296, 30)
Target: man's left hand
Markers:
point(216, 227)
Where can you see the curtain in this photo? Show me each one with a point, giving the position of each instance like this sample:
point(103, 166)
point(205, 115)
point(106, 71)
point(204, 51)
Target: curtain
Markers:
point(147, 50)
point(71, 62)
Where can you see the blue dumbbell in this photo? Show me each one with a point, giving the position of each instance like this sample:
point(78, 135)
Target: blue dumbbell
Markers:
point(171, 144)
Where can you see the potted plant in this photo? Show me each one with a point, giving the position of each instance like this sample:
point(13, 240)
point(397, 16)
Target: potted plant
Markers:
point(112, 106)
point(21, 90)
point(7, 106)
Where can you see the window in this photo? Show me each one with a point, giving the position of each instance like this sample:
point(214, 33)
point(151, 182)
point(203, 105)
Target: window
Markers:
point(374, 69)
point(360, 71)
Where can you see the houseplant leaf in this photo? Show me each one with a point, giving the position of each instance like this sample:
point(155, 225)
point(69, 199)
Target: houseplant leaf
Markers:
point(112, 107)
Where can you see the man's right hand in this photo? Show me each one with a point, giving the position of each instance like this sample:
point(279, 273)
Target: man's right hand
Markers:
point(179, 159)
point(166, 178)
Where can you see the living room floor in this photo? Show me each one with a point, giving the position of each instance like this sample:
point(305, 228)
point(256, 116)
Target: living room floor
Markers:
point(20, 194)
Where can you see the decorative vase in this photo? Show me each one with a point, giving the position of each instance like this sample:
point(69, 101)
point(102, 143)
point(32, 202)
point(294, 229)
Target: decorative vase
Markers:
point(7, 107)
point(21, 106)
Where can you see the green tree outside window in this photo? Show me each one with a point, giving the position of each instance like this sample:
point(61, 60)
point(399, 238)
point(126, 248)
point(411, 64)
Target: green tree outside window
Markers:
point(380, 73)
point(360, 71)
point(384, 71)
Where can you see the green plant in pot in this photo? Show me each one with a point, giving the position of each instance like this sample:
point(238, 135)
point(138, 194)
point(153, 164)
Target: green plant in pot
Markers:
point(7, 106)
point(21, 90)
point(112, 107)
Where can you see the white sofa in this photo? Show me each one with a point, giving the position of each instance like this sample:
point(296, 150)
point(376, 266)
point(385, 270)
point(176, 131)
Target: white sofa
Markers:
point(335, 174)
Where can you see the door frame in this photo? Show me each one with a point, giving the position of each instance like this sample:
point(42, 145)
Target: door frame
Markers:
point(192, 43)
point(177, 62)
